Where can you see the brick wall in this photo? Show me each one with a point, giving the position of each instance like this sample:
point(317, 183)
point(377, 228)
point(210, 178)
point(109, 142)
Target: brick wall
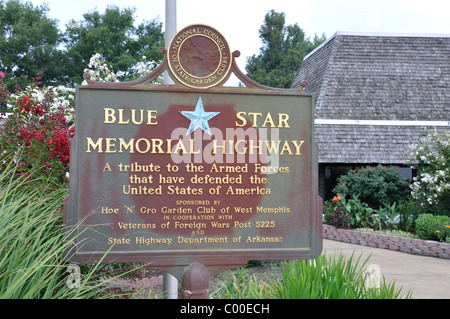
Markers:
point(403, 244)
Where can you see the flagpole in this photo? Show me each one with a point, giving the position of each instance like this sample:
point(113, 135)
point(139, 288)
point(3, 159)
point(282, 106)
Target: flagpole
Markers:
point(170, 283)
point(170, 30)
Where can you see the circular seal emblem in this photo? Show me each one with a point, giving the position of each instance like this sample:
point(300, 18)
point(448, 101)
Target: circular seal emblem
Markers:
point(199, 57)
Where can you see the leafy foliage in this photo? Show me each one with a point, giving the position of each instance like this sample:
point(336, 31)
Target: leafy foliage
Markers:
point(353, 213)
point(349, 213)
point(359, 213)
point(28, 43)
point(433, 227)
point(284, 47)
point(408, 211)
point(377, 186)
point(114, 36)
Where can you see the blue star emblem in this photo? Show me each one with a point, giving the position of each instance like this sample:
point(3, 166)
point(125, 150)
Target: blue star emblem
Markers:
point(199, 118)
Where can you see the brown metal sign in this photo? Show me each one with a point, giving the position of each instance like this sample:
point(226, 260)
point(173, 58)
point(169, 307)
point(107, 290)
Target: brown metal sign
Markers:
point(172, 175)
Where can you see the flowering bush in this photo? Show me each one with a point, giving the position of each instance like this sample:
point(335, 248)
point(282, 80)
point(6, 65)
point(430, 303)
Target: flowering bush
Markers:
point(41, 122)
point(100, 71)
point(144, 67)
point(377, 186)
point(40, 126)
point(431, 186)
point(4, 93)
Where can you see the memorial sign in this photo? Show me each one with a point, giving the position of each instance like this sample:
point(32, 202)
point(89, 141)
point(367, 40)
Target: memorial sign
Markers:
point(193, 172)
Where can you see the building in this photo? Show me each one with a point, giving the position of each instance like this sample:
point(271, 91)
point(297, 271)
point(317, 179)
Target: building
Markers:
point(375, 95)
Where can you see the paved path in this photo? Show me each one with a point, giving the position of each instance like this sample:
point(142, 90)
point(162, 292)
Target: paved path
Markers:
point(427, 277)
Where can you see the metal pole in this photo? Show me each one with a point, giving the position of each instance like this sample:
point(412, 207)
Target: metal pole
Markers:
point(170, 283)
point(171, 30)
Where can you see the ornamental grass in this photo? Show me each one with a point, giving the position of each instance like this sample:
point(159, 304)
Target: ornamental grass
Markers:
point(34, 246)
point(326, 277)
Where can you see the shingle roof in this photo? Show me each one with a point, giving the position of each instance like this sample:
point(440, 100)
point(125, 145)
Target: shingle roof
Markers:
point(377, 77)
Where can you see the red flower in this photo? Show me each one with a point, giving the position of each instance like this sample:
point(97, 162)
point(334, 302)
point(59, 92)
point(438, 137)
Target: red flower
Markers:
point(25, 104)
point(337, 198)
point(38, 110)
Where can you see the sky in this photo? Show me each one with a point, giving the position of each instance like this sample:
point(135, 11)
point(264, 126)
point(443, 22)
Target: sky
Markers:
point(239, 20)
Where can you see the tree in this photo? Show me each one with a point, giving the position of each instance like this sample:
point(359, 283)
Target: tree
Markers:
point(283, 49)
point(114, 36)
point(28, 43)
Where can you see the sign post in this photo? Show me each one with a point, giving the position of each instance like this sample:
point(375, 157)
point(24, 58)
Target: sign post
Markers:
point(170, 283)
point(194, 178)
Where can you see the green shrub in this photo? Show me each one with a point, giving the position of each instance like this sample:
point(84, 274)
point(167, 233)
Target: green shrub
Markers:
point(408, 211)
point(377, 186)
point(433, 227)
